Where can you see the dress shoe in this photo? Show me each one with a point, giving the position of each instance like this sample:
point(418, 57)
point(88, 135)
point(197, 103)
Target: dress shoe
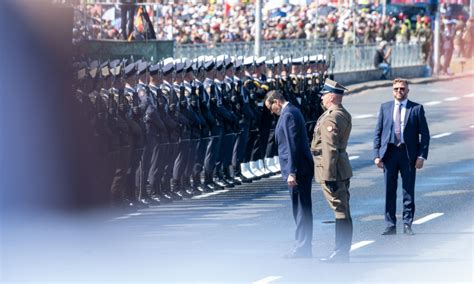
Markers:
point(407, 230)
point(222, 183)
point(230, 182)
point(198, 190)
point(218, 186)
point(242, 179)
point(235, 181)
point(165, 198)
point(149, 201)
point(176, 195)
point(294, 254)
point(185, 193)
point(209, 187)
point(337, 256)
point(390, 231)
point(141, 204)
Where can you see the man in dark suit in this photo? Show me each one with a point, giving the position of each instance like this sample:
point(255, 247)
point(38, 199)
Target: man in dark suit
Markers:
point(401, 145)
point(297, 165)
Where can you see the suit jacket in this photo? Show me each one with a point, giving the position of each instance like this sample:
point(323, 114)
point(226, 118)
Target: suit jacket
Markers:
point(416, 134)
point(293, 147)
point(329, 144)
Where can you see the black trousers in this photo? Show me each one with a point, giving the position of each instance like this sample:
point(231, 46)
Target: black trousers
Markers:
point(181, 161)
point(226, 152)
point(171, 150)
point(272, 148)
point(260, 144)
point(302, 213)
point(121, 160)
point(396, 161)
point(238, 153)
point(134, 174)
point(149, 153)
point(212, 152)
point(249, 149)
point(200, 156)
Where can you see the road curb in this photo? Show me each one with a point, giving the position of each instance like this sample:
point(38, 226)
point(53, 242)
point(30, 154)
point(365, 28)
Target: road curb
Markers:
point(357, 88)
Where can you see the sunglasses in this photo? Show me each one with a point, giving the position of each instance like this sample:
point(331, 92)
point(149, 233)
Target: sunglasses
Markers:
point(398, 89)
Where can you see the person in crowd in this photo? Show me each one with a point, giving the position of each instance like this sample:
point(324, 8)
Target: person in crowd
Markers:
point(127, 11)
point(447, 40)
point(382, 59)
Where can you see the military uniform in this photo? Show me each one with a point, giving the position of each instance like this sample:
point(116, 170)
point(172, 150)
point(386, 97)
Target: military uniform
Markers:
point(333, 169)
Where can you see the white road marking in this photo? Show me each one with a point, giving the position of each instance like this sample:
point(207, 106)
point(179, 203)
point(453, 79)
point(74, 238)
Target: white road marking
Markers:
point(452, 99)
point(360, 116)
point(427, 218)
point(445, 193)
point(267, 280)
point(209, 194)
point(353, 158)
point(122, 218)
point(441, 135)
point(432, 103)
point(469, 96)
point(361, 244)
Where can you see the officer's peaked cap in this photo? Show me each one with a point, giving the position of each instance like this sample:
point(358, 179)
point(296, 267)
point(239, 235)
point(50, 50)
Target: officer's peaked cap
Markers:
point(154, 69)
point(260, 60)
point(249, 61)
point(129, 70)
point(331, 86)
point(142, 67)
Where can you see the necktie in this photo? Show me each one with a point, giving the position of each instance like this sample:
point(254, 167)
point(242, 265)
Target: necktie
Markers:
point(398, 126)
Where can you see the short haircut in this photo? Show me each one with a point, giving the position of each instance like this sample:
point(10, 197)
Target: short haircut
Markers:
point(400, 80)
point(274, 95)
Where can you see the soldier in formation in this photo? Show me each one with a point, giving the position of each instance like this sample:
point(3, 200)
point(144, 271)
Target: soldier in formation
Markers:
point(177, 128)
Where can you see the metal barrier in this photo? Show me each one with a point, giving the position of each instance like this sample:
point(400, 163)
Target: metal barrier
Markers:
point(347, 58)
point(286, 48)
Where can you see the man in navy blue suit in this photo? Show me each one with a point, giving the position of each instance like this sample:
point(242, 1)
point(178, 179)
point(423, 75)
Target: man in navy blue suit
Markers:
point(401, 145)
point(297, 166)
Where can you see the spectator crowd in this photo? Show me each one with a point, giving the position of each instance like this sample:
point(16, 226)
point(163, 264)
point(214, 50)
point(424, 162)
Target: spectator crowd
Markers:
point(204, 23)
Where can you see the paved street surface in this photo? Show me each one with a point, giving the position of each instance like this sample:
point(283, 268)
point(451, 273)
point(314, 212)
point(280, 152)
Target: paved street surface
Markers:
point(239, 235)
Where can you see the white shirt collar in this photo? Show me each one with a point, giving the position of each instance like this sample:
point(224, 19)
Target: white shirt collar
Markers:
point(284, 105)
point(403, 103)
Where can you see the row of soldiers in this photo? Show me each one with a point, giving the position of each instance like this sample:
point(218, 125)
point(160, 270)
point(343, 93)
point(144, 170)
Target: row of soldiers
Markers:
point(177, 128)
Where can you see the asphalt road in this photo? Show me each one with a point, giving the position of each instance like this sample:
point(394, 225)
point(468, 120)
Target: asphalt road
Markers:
point(239, 235)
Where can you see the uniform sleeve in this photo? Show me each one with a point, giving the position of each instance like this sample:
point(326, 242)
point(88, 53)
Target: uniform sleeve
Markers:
point(330, 146)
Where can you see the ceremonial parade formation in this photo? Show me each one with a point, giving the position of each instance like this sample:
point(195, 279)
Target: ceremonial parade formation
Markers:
point(178, 128)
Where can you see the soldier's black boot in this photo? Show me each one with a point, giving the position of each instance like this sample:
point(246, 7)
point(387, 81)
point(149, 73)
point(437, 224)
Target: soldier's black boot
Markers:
point(186, 187)
point(229, 177)
point(220, 181)
point(343, 242)
point(174, 190)
point(208, 185)
point(145, 197)
point(160, 194)
point(197, 187)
